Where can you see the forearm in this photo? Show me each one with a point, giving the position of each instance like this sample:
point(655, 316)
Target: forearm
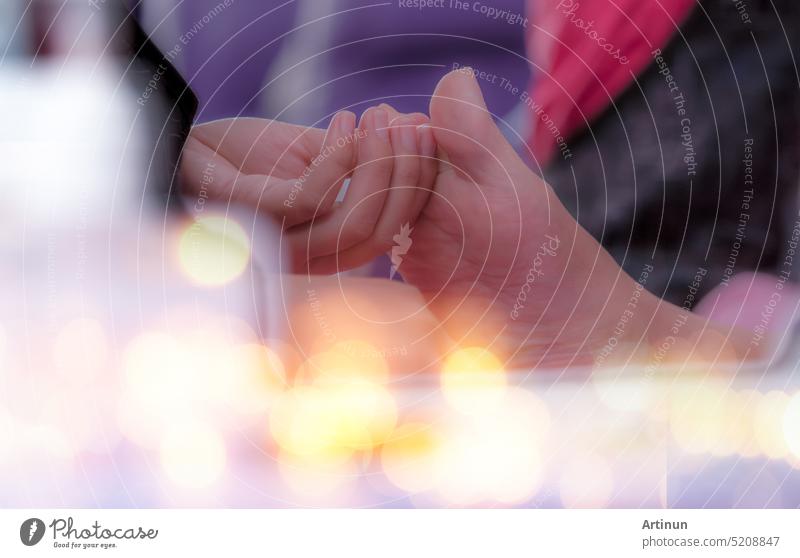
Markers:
point(632, 326)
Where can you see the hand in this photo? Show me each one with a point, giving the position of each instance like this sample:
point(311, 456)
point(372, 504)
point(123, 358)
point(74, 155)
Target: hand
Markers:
point(294, 174)
point(499, 259)
point(503, 264)
point(259, 162)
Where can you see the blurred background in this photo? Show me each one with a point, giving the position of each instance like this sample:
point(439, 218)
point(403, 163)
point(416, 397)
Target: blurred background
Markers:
point(143, 353)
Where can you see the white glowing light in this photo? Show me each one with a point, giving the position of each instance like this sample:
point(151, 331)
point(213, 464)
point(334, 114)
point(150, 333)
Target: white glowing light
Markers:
point(309, 420)
point(367, 362)
point(301, 421)
point(58, 115)
point(7, 436)
point(166, 381)
point(345, 362)
point(207, 371)
point(328, 366)
point(473, 380)
point(363, 414)
point(45, 441)
point(193, 455)
point(84, 415)
point(791, 425)
point(768, 424)
point(3, 343)
point(80, 351)
point(257, 377)
point(586, 482)
point(742, 427)
point(196, 374)
point(319, 478)
point(494, 456)
point(706, 419)
point(625, 393)
point(409, 457)
point(214, 251)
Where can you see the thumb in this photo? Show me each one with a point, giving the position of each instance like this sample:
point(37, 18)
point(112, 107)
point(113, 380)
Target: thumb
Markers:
point(463, 126)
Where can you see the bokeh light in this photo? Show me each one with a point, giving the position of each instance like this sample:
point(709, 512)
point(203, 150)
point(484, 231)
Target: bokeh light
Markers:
point(344, 363)
point(302, 422)
point(586, 482)
point(493, 456)
point(409, 456)
point(3, 344)
point(7, 440)
point(318, 479)
point(768, 424)
point(193, 455)
point(701, 417)
point(214, 250)
point(308, 420)
point(84, 416)
point(742, 428)
point(81, 350)
point(473, 379)
point(624, 392)
point(197, 374)
point(365, 414)
point(36, 440)
point(256, 377)
point(791, 425)
point(156, 379)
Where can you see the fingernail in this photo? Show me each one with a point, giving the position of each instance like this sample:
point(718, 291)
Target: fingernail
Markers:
point(473, 91)
point(427, 143)
point(345, 124)
point(332, 129)
point(380, 122)
point(404, 133)
point(366, 118)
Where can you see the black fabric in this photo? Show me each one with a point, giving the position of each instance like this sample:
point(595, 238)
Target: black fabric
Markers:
point(168, 111)
point(628, 182)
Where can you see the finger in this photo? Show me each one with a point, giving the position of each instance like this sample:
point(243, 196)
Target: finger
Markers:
point(354, 220)
point(314, 193)
point(203, 170)
point(400, 211)
point(427, 151)
point(464, 127)
point(428, 166)
point(253, 144)
point(393, 112)
point(207, 173)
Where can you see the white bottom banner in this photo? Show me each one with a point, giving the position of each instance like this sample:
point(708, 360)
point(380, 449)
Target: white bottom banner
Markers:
point(367, 533)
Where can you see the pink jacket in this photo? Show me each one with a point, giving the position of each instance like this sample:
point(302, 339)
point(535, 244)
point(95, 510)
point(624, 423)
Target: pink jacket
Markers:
point(587, 52)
